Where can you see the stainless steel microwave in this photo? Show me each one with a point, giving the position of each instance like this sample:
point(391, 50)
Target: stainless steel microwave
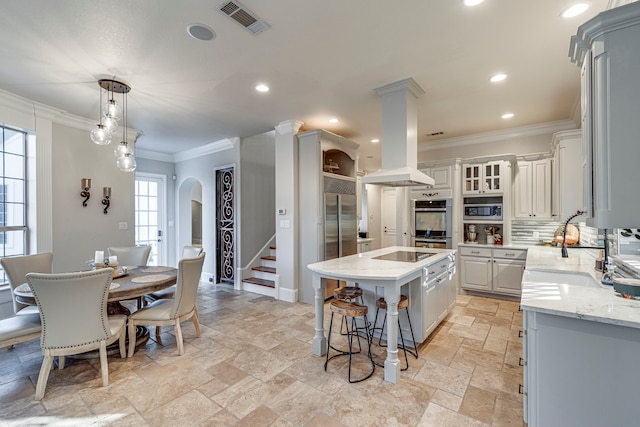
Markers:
point(491, 212)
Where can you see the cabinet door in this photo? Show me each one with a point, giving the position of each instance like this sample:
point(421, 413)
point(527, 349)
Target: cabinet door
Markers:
point(541, 189)
point(523, 187)
point(570, 189)
point(441, 175)
point(430, 314)
point(476, 273)
point(587, 141)
point(471, 179)
point(493, 177)
point(507, 276)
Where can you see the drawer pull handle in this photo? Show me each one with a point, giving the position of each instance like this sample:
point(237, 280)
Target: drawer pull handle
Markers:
point(509, 254)
point(520, 333)
point(475, 252)
point(520, 389)
point(519, 307)
point(521, 362)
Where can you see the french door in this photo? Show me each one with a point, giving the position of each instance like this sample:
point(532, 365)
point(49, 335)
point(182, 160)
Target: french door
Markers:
point(150, 214)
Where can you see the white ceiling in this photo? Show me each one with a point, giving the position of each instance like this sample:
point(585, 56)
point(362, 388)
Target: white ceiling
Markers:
point(322, 59)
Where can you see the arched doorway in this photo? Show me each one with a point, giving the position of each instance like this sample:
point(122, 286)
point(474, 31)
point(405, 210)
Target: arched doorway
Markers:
point(189, 214)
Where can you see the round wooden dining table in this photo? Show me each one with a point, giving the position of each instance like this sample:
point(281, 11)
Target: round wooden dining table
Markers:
point(137, 282)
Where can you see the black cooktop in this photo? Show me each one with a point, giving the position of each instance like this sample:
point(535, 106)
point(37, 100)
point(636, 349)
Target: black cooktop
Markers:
point(403, 256)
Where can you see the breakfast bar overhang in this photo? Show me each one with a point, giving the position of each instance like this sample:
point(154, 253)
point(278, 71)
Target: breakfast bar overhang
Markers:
point(390, 268)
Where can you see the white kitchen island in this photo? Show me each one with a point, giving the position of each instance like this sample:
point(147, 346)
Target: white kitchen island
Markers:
point(365, 269)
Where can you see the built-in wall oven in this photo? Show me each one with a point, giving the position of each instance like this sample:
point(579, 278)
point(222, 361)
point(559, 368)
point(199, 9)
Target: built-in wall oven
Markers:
point(432, 223)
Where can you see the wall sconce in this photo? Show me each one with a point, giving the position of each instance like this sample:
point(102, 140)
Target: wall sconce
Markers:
point(106, 195)
point(85, 185)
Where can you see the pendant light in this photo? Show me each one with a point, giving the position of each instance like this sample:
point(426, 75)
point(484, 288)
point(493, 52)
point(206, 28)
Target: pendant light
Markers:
point(111, 112)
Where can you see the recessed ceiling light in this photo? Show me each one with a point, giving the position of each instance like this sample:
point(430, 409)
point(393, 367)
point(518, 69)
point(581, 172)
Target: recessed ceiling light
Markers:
point(498, 77)
point(262, 88)
point(201, 32)
point(375, 141)
point(507, 115)
point(472, 2)
point(574, 10)
point(333, 120)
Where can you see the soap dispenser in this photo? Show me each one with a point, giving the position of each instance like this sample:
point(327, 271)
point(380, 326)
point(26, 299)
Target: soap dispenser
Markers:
point(607, 277)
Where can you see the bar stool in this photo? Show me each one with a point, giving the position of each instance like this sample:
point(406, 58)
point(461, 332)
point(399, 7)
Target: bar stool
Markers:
point(352, 310)
point(350, 294)
point(381, 304)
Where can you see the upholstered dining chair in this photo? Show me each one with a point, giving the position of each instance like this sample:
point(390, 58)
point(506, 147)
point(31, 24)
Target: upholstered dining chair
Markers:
point(187, 252)
point(130, 255)
point(17, 268)
point(73, 313)
point(17, 329)
point(172, 311)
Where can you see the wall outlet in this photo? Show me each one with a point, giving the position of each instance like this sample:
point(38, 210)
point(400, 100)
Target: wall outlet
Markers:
point(123, 225)
point(536, 235)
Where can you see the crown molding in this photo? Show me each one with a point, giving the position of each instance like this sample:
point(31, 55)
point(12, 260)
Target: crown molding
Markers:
point(499, 135)
point(213, 147)
point(154, 155)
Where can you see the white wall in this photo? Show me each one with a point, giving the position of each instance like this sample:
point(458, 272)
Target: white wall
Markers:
point(79, 231)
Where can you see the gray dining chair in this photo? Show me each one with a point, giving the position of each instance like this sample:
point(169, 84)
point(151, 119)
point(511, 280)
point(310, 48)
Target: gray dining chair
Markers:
point(130, 255)
point(166, 293)
point(172, 311)
point(73, 313)
point(18, 329)
point(17, 268)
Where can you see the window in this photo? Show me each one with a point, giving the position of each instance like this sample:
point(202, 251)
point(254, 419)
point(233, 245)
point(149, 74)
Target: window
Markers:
point(13, 212)
point(149, 192)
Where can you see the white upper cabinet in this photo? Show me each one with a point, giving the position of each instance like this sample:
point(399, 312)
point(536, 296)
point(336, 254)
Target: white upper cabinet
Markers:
point(567, 183)
point(533, 189)
point(483, 178)
point(608, 49)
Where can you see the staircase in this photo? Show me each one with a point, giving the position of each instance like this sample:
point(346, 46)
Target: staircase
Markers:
point(263, 281)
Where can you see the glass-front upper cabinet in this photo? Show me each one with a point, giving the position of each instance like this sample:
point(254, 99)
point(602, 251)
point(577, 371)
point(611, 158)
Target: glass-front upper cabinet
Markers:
point(482, 178)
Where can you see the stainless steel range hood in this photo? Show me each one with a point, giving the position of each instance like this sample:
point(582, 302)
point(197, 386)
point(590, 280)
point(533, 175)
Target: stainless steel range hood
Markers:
point(399, 137)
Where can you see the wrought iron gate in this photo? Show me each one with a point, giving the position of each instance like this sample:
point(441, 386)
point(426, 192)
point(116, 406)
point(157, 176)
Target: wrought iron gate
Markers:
point(225, 225)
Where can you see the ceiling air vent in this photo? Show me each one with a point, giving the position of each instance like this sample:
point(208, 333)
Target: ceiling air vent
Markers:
point(243, 16)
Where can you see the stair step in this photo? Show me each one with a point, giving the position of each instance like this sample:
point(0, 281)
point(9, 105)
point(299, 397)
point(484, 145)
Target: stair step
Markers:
point(269, 258)
point(265, 269)
point(261, 282)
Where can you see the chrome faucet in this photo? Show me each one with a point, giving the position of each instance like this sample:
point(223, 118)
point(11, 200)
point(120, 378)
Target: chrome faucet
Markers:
point(565, 253)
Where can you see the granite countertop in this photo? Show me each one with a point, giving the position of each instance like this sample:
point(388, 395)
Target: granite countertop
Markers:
point(558, 294)
point(364, 267)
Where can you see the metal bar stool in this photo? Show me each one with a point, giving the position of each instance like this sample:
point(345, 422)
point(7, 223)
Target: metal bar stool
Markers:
point(349, 294)
point(352, 310)
point(402, 304)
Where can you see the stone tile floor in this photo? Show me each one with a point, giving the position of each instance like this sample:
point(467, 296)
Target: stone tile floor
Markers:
point(253, 366)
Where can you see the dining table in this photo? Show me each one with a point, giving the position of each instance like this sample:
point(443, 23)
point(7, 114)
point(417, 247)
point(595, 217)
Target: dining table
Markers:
point(131, 282)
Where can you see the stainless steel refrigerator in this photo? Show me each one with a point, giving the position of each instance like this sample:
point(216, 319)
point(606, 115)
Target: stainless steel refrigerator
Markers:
point(340, 230)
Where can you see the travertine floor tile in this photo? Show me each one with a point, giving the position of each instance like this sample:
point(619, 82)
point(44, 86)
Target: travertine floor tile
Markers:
point(253, 366)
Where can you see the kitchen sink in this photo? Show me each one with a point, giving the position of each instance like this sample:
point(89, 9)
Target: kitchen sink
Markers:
point(559, 276)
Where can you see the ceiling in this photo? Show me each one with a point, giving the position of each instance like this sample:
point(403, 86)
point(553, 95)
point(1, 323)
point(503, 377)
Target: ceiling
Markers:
point(322, 59)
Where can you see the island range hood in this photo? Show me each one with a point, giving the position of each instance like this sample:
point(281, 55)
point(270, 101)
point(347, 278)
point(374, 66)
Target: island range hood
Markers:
point(399, 137)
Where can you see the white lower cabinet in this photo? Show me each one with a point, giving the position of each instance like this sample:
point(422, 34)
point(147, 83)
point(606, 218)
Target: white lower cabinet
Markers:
point(492, 270)
point(579, 372)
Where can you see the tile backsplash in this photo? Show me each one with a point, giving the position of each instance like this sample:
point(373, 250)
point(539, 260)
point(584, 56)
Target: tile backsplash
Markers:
point(523, 231)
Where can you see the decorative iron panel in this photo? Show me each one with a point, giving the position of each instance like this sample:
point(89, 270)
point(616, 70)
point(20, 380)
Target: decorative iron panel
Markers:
point(226, 225)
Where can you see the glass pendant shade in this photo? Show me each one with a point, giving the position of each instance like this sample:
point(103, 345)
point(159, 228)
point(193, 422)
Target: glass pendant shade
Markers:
point(126, 163)
point(100, 135)
point(122, 149)
point(113, 110)
point(110, 124)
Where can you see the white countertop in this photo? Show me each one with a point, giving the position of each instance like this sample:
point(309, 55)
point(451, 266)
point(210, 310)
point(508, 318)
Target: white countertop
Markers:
point(363, 267)
point(595, 303)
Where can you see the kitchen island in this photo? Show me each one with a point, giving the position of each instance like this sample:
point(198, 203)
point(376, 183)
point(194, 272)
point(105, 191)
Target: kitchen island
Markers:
point(368, 269)
point(581, 344)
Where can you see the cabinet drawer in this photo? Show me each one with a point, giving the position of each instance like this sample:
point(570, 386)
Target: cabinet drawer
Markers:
point(431, 271)
point(474, 251)
point(510, 253)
